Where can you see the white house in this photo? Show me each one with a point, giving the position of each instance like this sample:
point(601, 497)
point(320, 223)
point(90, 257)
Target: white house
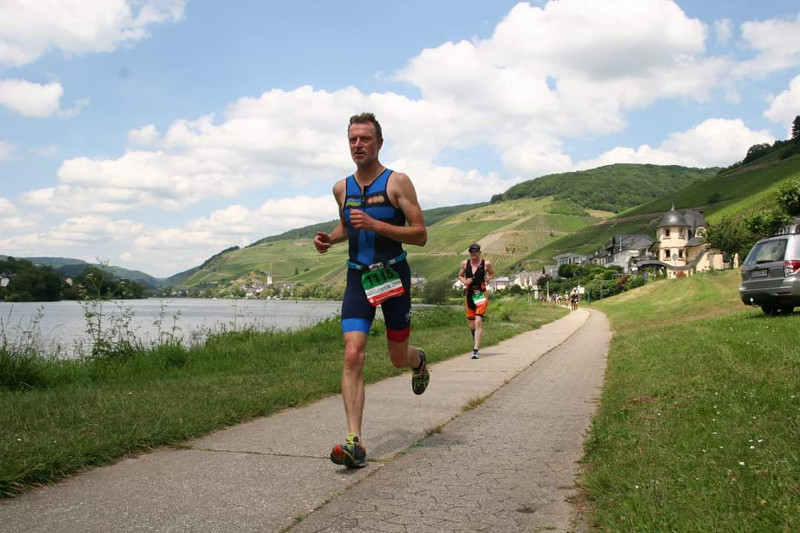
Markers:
point(527, 280)
point(681, 248)
point(499, 283)
point(570, 259)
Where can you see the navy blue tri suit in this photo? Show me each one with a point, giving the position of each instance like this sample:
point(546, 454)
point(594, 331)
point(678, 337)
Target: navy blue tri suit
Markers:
point(367, 248)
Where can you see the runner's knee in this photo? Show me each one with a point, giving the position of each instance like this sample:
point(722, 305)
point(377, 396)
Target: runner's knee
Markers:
point(353, 356)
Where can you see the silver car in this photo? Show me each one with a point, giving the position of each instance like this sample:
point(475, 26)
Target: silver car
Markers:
point(771, 272)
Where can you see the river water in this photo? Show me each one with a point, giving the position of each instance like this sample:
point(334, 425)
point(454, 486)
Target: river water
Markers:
point(58, 326)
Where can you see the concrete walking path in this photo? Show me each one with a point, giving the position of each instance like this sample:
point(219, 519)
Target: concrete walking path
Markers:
point(507, 465)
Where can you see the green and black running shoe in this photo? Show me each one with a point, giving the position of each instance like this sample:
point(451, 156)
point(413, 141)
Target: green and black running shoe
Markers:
point(420, 376)
point(350, 454)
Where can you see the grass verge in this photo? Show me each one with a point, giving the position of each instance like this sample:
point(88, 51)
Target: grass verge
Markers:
point(700, 414)
point(89, 412)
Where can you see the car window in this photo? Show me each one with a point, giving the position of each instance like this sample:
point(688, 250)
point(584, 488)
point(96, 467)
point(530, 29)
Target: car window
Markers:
point(767, 252)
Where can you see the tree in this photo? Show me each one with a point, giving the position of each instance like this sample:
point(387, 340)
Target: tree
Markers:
point(435, 291)
point(788, 196)
point(768, 222)
point(796, 129)
point(567, 270)
point(29, 282)
point(756, 151)
point(731, 235)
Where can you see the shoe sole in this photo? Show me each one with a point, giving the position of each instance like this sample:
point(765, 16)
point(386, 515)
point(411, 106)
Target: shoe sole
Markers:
point(340, 456)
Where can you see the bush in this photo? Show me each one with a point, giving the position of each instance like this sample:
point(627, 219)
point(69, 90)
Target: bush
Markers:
point(435, 292)
point(21, 370)
point(171, 355)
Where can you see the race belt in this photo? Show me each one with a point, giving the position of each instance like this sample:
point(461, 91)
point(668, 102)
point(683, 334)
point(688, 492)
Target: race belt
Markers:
point(380, 264)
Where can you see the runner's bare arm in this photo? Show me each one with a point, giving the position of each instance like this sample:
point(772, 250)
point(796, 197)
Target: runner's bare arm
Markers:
point(462, 274)
point(323, 241)
point(489, 270)
point(402, 195)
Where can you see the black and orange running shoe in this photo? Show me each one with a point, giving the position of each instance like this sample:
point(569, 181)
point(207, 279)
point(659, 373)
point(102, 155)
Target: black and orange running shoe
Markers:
point(350, 454)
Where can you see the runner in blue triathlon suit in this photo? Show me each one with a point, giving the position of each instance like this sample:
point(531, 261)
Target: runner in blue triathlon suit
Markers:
point(378, 213)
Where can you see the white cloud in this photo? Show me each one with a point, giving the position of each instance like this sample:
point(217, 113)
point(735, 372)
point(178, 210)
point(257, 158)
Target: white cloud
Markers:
point(297, 136)
point(713, 142)
point(571, 67)
point(6, 149)
point(786, 106)
point(11, 219)
point(723, 29)
point(76, 109)
point(78, 237)
point(144, 136)
point(31, 28)
point(439, 186)
point(775, 43)
point(31, 99)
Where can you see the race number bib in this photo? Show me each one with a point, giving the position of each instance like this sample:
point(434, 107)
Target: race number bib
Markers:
point(479, 297)
point(381, 284)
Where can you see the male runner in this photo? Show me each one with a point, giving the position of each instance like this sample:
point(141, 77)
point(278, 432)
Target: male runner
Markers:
point(375, 204)
point(475, 273)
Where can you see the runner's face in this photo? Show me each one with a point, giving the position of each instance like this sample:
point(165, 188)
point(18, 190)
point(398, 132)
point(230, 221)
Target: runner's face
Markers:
point(364, 144)
point(475, 255)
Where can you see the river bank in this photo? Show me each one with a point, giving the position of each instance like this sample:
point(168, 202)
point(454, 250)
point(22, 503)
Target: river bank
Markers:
point(62, 329)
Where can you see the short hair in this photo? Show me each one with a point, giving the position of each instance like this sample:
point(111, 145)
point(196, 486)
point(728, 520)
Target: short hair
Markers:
point(366, 118)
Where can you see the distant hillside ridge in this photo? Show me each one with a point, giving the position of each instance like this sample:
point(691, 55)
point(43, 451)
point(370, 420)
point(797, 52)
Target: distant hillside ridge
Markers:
point(612, 188)
point(507, 231)
point(71, 267)
point(432, 216)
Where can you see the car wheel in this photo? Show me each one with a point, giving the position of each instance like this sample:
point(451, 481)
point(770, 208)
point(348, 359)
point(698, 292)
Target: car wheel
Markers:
point(786, 310)
point(769, 309)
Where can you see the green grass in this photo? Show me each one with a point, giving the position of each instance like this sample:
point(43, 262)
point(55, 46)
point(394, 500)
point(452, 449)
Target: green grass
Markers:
point(699, 423)
point(94, 411)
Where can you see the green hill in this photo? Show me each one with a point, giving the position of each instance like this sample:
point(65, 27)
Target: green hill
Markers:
point(508, 231)
point(612, 188)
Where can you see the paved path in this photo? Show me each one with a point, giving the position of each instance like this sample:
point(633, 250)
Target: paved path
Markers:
point(507, 465)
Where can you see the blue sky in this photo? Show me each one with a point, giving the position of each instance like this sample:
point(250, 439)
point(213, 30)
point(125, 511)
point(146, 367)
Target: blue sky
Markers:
point(154, 133)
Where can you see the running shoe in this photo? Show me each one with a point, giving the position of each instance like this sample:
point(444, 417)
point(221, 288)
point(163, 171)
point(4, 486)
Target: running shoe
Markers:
point(420, 378)
point(475, 354)
point(350, 454)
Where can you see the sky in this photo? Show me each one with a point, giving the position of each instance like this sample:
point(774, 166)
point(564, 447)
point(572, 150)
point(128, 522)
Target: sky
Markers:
point(152, 134)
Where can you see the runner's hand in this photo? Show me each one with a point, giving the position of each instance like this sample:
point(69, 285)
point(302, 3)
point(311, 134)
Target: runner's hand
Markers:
point(322, 242)
point(360, 220)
